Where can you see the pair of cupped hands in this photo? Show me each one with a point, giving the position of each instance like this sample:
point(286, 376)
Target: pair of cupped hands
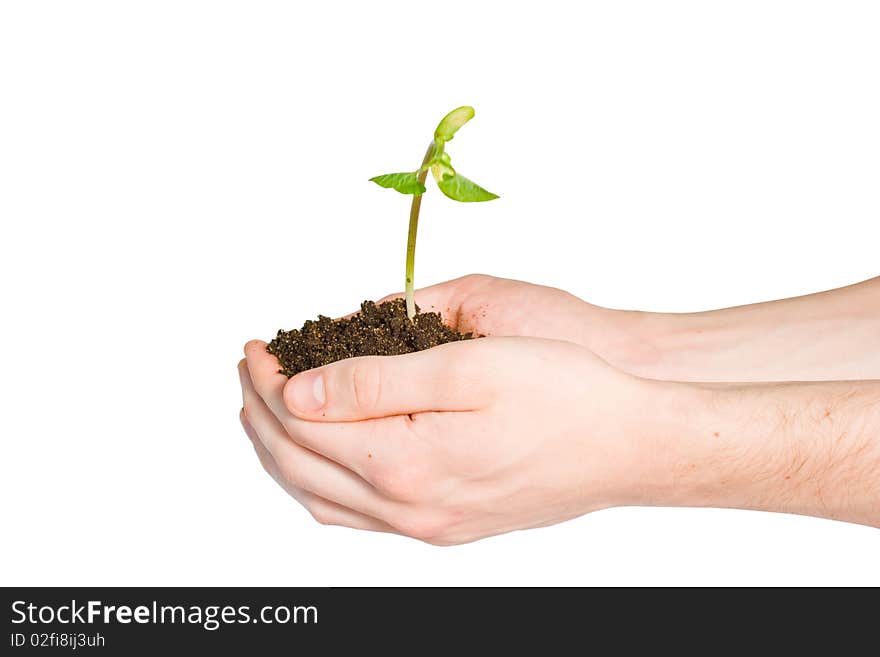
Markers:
point(523, 428)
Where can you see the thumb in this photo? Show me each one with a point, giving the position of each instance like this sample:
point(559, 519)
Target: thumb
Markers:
point(442, 378)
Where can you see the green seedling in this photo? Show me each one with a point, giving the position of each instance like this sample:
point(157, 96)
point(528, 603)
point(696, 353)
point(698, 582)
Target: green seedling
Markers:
point(450, 182)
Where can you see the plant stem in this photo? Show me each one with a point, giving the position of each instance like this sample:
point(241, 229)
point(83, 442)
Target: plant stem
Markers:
point(411, 237)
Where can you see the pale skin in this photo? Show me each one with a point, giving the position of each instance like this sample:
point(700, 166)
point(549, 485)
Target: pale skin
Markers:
point(568, 408)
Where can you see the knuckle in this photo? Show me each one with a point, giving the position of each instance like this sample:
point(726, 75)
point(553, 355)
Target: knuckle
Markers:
point(264, 461)
point(405, 484)
point(475, 278)
point(422, 527)
point(290, 473)
point(366, 382)
point(322, 516)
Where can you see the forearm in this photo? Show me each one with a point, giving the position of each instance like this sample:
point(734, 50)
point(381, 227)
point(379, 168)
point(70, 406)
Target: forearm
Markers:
point(833, 335)
point(806, 448)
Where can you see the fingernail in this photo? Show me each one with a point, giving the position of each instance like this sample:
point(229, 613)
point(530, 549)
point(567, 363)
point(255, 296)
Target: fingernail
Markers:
point(307, 392)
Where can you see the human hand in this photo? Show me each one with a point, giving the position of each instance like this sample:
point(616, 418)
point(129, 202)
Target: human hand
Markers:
point(490, 306)
point(825, 336)
point(451, 444)
point(486, 305)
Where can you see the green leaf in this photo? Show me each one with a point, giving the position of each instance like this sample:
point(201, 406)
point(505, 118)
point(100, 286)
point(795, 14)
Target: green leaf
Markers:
point(459, 188)
point(452, 122)
point(405, 183)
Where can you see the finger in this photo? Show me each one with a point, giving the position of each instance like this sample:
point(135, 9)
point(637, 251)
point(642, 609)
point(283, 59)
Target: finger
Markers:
point(369, 448)
point(267, 380)
point(324, 511)
point(444, 378)
point(305, 469)
point(242, 364)
point(330, 513)
point(266, 460)
point(363, 448)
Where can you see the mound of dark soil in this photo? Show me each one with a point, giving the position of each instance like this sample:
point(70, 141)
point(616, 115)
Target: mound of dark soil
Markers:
point(382, 330)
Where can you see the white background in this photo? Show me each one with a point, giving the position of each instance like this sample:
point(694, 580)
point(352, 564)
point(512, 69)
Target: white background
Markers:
point(179, 177)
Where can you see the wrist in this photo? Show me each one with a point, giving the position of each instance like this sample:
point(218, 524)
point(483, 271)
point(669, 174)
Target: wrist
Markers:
point(659, 460)
point(729, 345)
point(701, 448)
point(640, 343)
